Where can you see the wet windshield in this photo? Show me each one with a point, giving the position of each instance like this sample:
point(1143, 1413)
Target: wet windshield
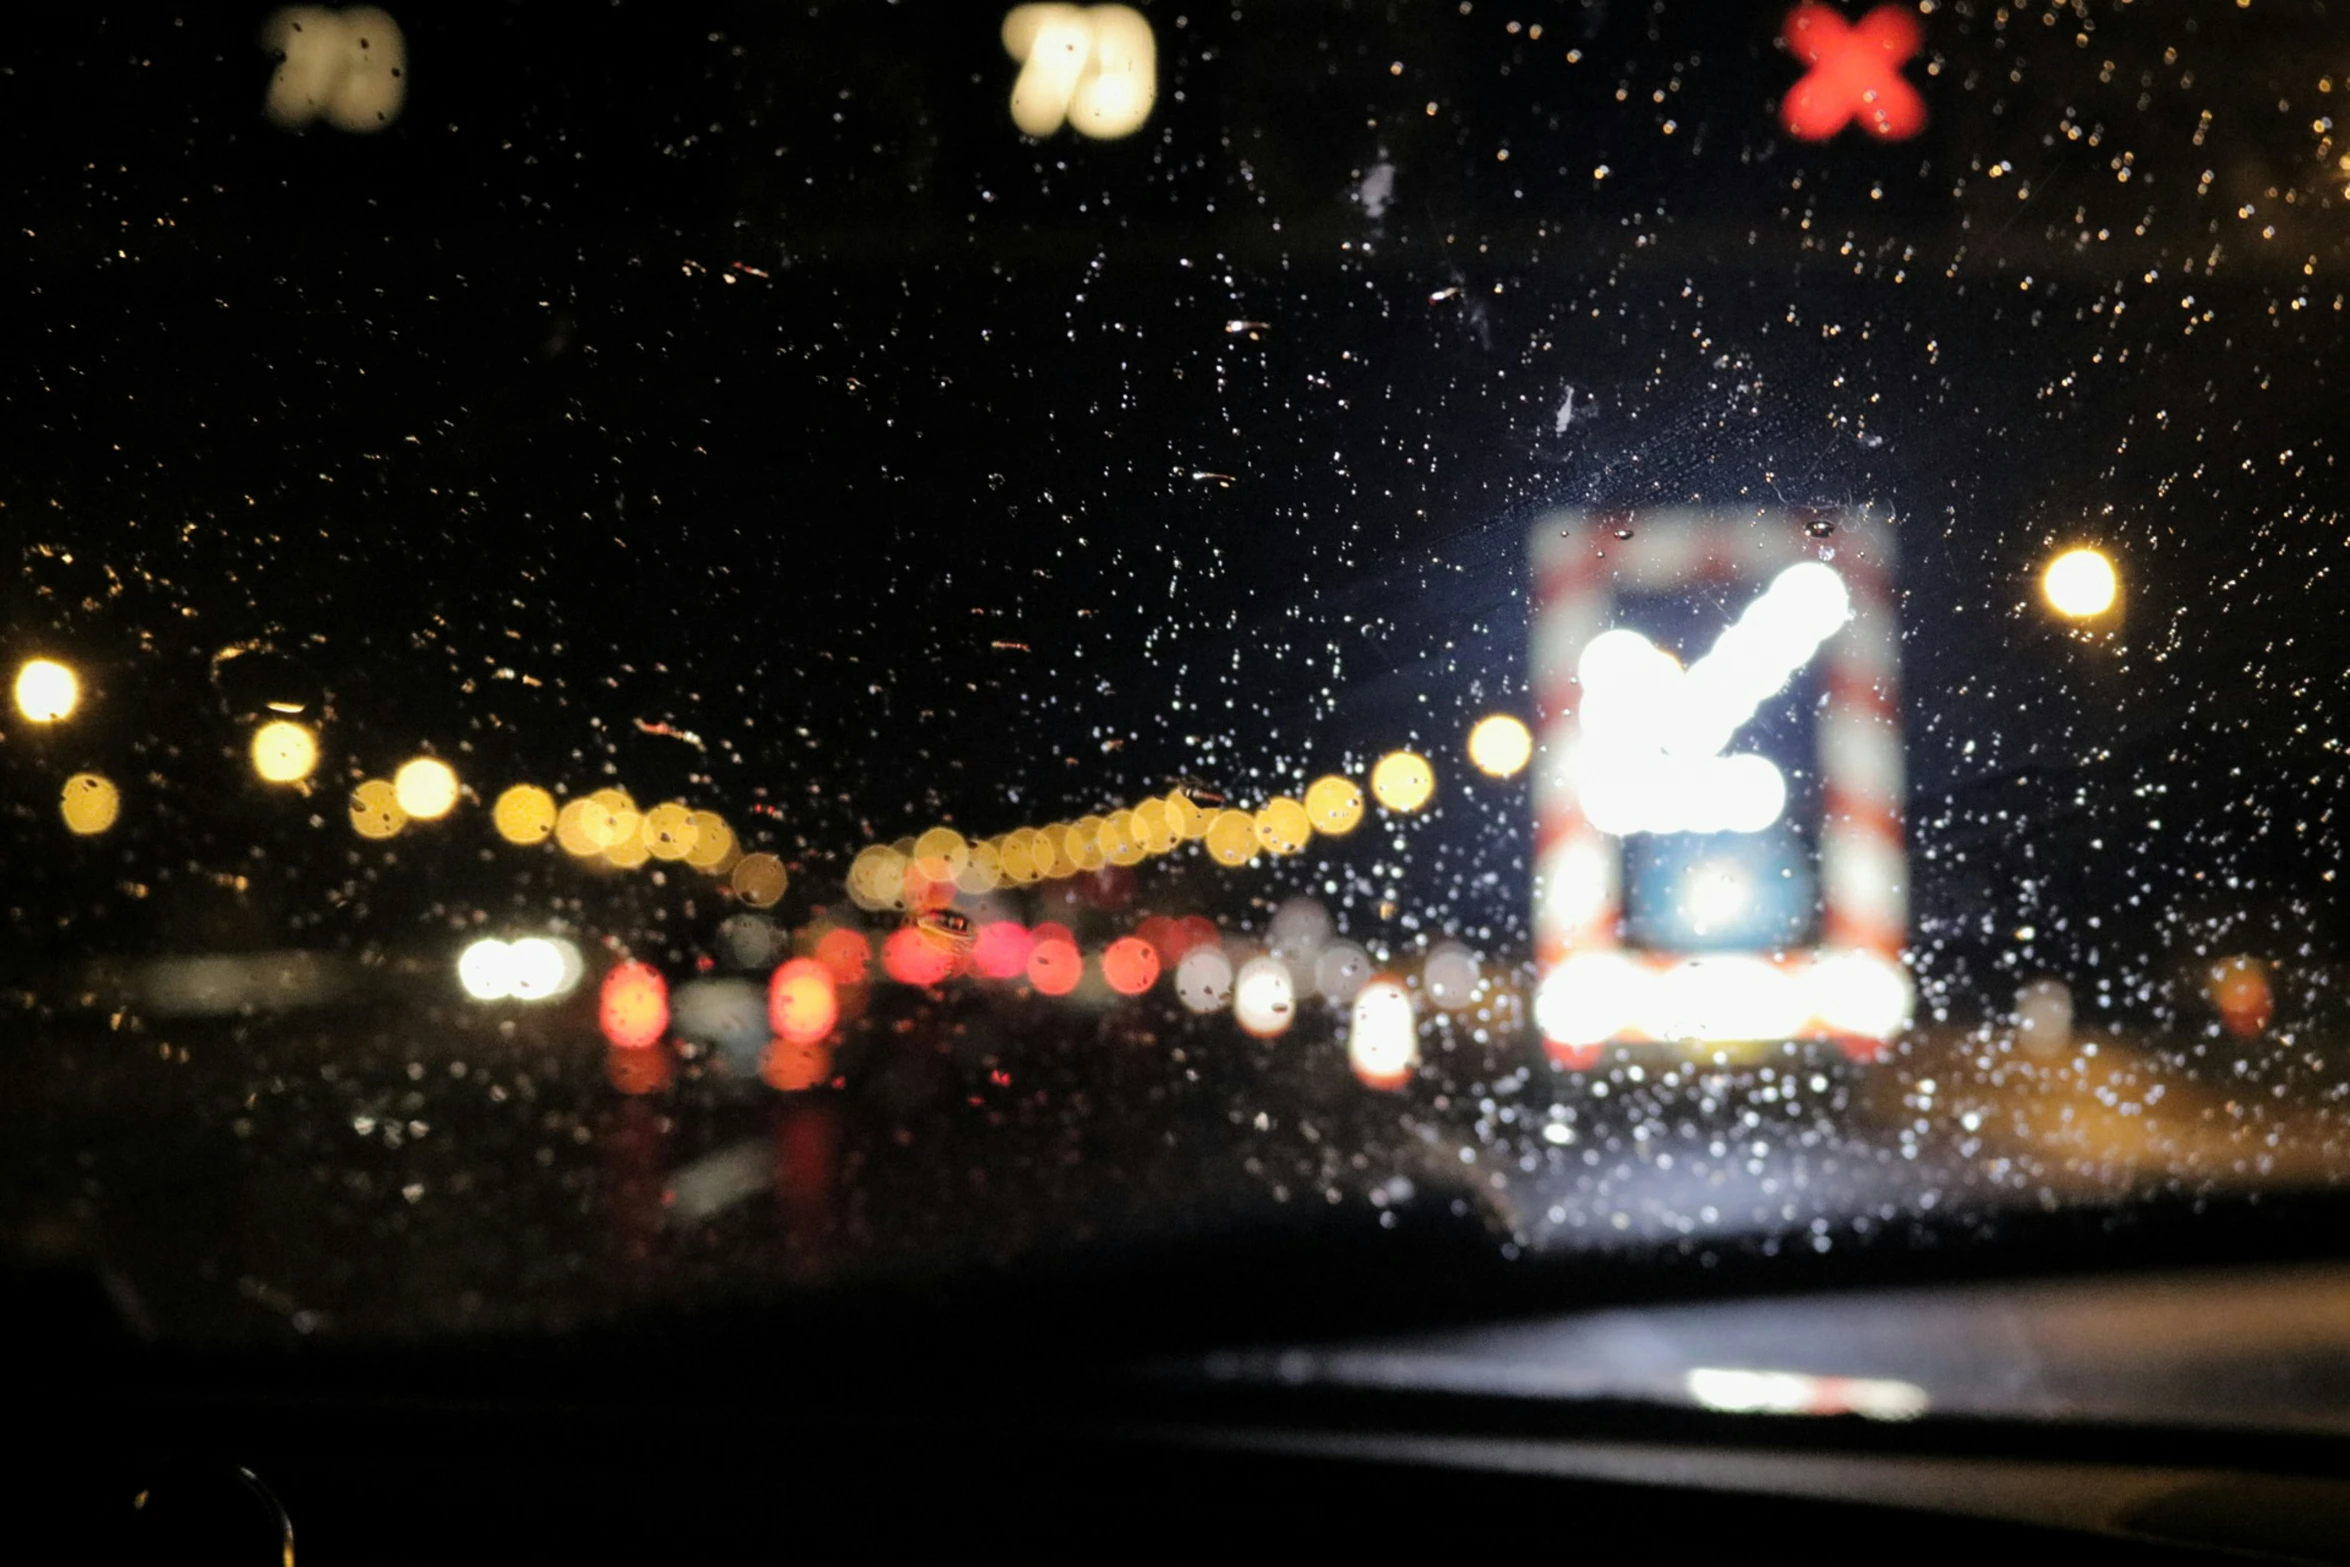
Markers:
point(656, 655)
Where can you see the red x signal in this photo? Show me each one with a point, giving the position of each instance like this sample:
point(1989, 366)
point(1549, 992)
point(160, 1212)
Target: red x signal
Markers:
point(1855, 73)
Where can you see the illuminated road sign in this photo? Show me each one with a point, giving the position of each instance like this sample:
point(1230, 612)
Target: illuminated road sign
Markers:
point(1643, 764)
point(1855, 73)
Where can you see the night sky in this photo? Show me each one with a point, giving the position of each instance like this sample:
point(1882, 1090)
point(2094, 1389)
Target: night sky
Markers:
point(746, 373)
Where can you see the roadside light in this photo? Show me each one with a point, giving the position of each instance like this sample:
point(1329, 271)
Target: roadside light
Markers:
point(1382, 1040)
point(1264, 998)
point(375, 810)
point(46, 691)
point(1091, 67)
point(1055, 966)
point(1131, 965)
point(2080, 583)
point(2239, 989)
point(284, 752)
point(90, 803)
point(535, 968)
point(634, 1006)
point(1402, 781)
point(524, 814)
point(1500, 746)
point(425, 787)
point(802, 1005)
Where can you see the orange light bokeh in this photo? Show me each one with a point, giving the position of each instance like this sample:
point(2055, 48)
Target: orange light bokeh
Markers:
point(790, 1066)
point(1165, 935)
point(846, 953)
point(910, 960)
point(1054, 963)
point(634, 1006)
point(637, 1071)
point(1131, 965)
point(2240, 990)
point(1002, 951)
point(801, 1005)
point(759, 880)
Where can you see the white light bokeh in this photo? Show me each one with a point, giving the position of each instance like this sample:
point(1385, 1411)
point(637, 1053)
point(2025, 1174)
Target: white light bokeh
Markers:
point(1724, 998)
point(1094, 68)
point(1716, 892)
point(484, 967)
point(2080, 583)
point(349, 68)
point(1652, 733)
point(1865, 994)
point(1340, 970)
point(1299, 929)
point(535, 968)
point(1203, 979)
point(1626, 792)
point(540, 970)
point(1382, 1043)
point(1587, 998)
point(1449, 974)
point(2044, 1017)
point(1742, 1392)
point(47, 691)
point(1264, 998)
point(426, 787)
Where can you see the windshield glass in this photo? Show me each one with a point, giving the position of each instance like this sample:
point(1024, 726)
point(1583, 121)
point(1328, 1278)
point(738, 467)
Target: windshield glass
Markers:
point(661, 655)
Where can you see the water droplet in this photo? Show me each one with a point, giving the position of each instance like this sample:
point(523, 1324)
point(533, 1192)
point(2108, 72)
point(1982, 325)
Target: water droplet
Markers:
point(1623, 533)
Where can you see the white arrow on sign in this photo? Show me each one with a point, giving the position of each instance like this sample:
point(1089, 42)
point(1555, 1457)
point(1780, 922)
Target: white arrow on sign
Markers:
point(1650, 755)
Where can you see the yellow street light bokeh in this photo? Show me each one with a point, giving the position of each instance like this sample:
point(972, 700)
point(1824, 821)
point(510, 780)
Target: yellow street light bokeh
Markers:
point(375, 810)
point(1081, 841)
point(1017, 854)
point(877, 878)
point(623, 827)
point(669, 831)
point(629, 847)
point(1334, 805)
point(985, 873)
point(759, 880)
point(524, 814)
point(46, 691)
point(1189, 819)
point(284, 752)
point(2080, 583)
point(1500, 746)
point(583, 827)
point(1231, 838)
point(425, 788)
point(89, 804)
point(1154, 826)
point(714, 848)
point(605, 823)
point(1121, 845)
point(941, 853)
point(1403, 781)
point(1283, 827)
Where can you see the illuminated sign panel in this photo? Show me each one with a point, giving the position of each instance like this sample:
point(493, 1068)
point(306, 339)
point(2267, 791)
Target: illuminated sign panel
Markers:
point(1855, 76)
point(1689, 885)
point(1092, 67)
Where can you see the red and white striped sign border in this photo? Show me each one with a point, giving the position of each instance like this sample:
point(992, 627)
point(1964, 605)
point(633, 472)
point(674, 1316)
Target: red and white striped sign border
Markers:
point(1582, 560)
